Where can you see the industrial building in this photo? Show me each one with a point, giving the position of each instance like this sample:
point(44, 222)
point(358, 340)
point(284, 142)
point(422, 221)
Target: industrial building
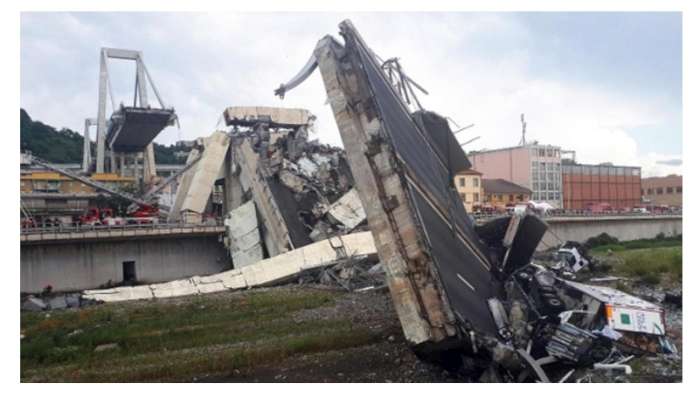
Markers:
point(533, 166)
point(588, 185)
point(666, 190)
point(45, 193)
point(559, 180)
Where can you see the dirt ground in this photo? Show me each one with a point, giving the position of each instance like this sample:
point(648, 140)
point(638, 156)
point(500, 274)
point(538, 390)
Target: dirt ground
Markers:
point(388, 359)
point(379, 353)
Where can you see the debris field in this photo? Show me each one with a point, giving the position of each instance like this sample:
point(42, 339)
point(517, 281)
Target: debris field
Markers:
point(382, 217)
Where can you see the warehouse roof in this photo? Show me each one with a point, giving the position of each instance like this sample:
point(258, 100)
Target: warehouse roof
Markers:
point(503, 186)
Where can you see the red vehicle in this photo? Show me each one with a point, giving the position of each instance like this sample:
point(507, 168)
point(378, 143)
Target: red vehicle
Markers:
point(599, 208)
point(143, 215)
point(100, 216)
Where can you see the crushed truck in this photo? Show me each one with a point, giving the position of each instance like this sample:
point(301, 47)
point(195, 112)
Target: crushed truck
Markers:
point(465, 295)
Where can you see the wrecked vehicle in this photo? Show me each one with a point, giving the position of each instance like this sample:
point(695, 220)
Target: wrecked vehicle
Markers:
point(571, 258)
point(465, 295)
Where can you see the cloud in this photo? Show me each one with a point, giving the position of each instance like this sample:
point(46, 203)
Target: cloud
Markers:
point(671, 162)
point(477, 67)
point(655, 164)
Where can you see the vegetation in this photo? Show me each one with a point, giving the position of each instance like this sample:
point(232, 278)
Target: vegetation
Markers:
point(181, 339)
point(649, 264)
point(66, 146)
point(58, 146)
point(604, 242)
point(650, 260)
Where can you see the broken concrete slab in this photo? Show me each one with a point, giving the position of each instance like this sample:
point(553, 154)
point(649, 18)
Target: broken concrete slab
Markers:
point(174, 288)
point(266, 272)
point(119, 294)
point(34, 304)
point(203, 175)
point(58, 303)
point(274, 116)
point(243, 234)
point(186, 180)
point(348, 210)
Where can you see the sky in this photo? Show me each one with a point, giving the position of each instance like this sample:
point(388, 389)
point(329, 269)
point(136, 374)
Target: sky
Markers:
point(607, 85)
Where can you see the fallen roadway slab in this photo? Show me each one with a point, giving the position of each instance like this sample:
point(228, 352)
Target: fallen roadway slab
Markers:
point(266, 272)
point(438, 271)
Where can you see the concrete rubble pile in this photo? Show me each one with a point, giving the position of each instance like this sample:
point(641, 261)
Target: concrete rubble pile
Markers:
point(293, 208)
point(53, 301)
point(309, 184)
point(355, 274)
point(281, 191)
point(466, 294)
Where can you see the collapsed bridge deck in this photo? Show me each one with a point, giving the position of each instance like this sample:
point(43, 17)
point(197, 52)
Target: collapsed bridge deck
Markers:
point(131, 129)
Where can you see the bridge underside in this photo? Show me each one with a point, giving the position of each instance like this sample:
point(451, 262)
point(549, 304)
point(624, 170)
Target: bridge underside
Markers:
point(131, 129)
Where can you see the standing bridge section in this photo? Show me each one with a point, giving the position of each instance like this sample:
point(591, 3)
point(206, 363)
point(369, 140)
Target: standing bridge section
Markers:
point(77, 258)
point(127, 138)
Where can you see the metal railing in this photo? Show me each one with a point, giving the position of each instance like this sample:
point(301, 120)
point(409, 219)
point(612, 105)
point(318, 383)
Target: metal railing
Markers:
point(77, 228)
point(582, 213)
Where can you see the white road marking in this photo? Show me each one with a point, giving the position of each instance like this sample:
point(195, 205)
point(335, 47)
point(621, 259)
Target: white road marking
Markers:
point(466, 282)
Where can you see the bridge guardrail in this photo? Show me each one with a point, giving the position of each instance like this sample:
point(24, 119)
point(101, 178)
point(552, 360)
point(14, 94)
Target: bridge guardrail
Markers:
point(91, 228)
point(578, 214)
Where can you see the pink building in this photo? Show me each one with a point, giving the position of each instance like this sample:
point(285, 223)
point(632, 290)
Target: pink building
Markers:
point(536, 167)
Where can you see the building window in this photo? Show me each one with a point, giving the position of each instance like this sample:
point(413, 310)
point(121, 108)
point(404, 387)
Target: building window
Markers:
point(476, 182)
point(642, 192)
point(679, 189)
point(463, 197)
point(476, 197)
point(659, 190)
point(52, 186)
point(462, 182)
point(650, 191)
point(669, 190)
